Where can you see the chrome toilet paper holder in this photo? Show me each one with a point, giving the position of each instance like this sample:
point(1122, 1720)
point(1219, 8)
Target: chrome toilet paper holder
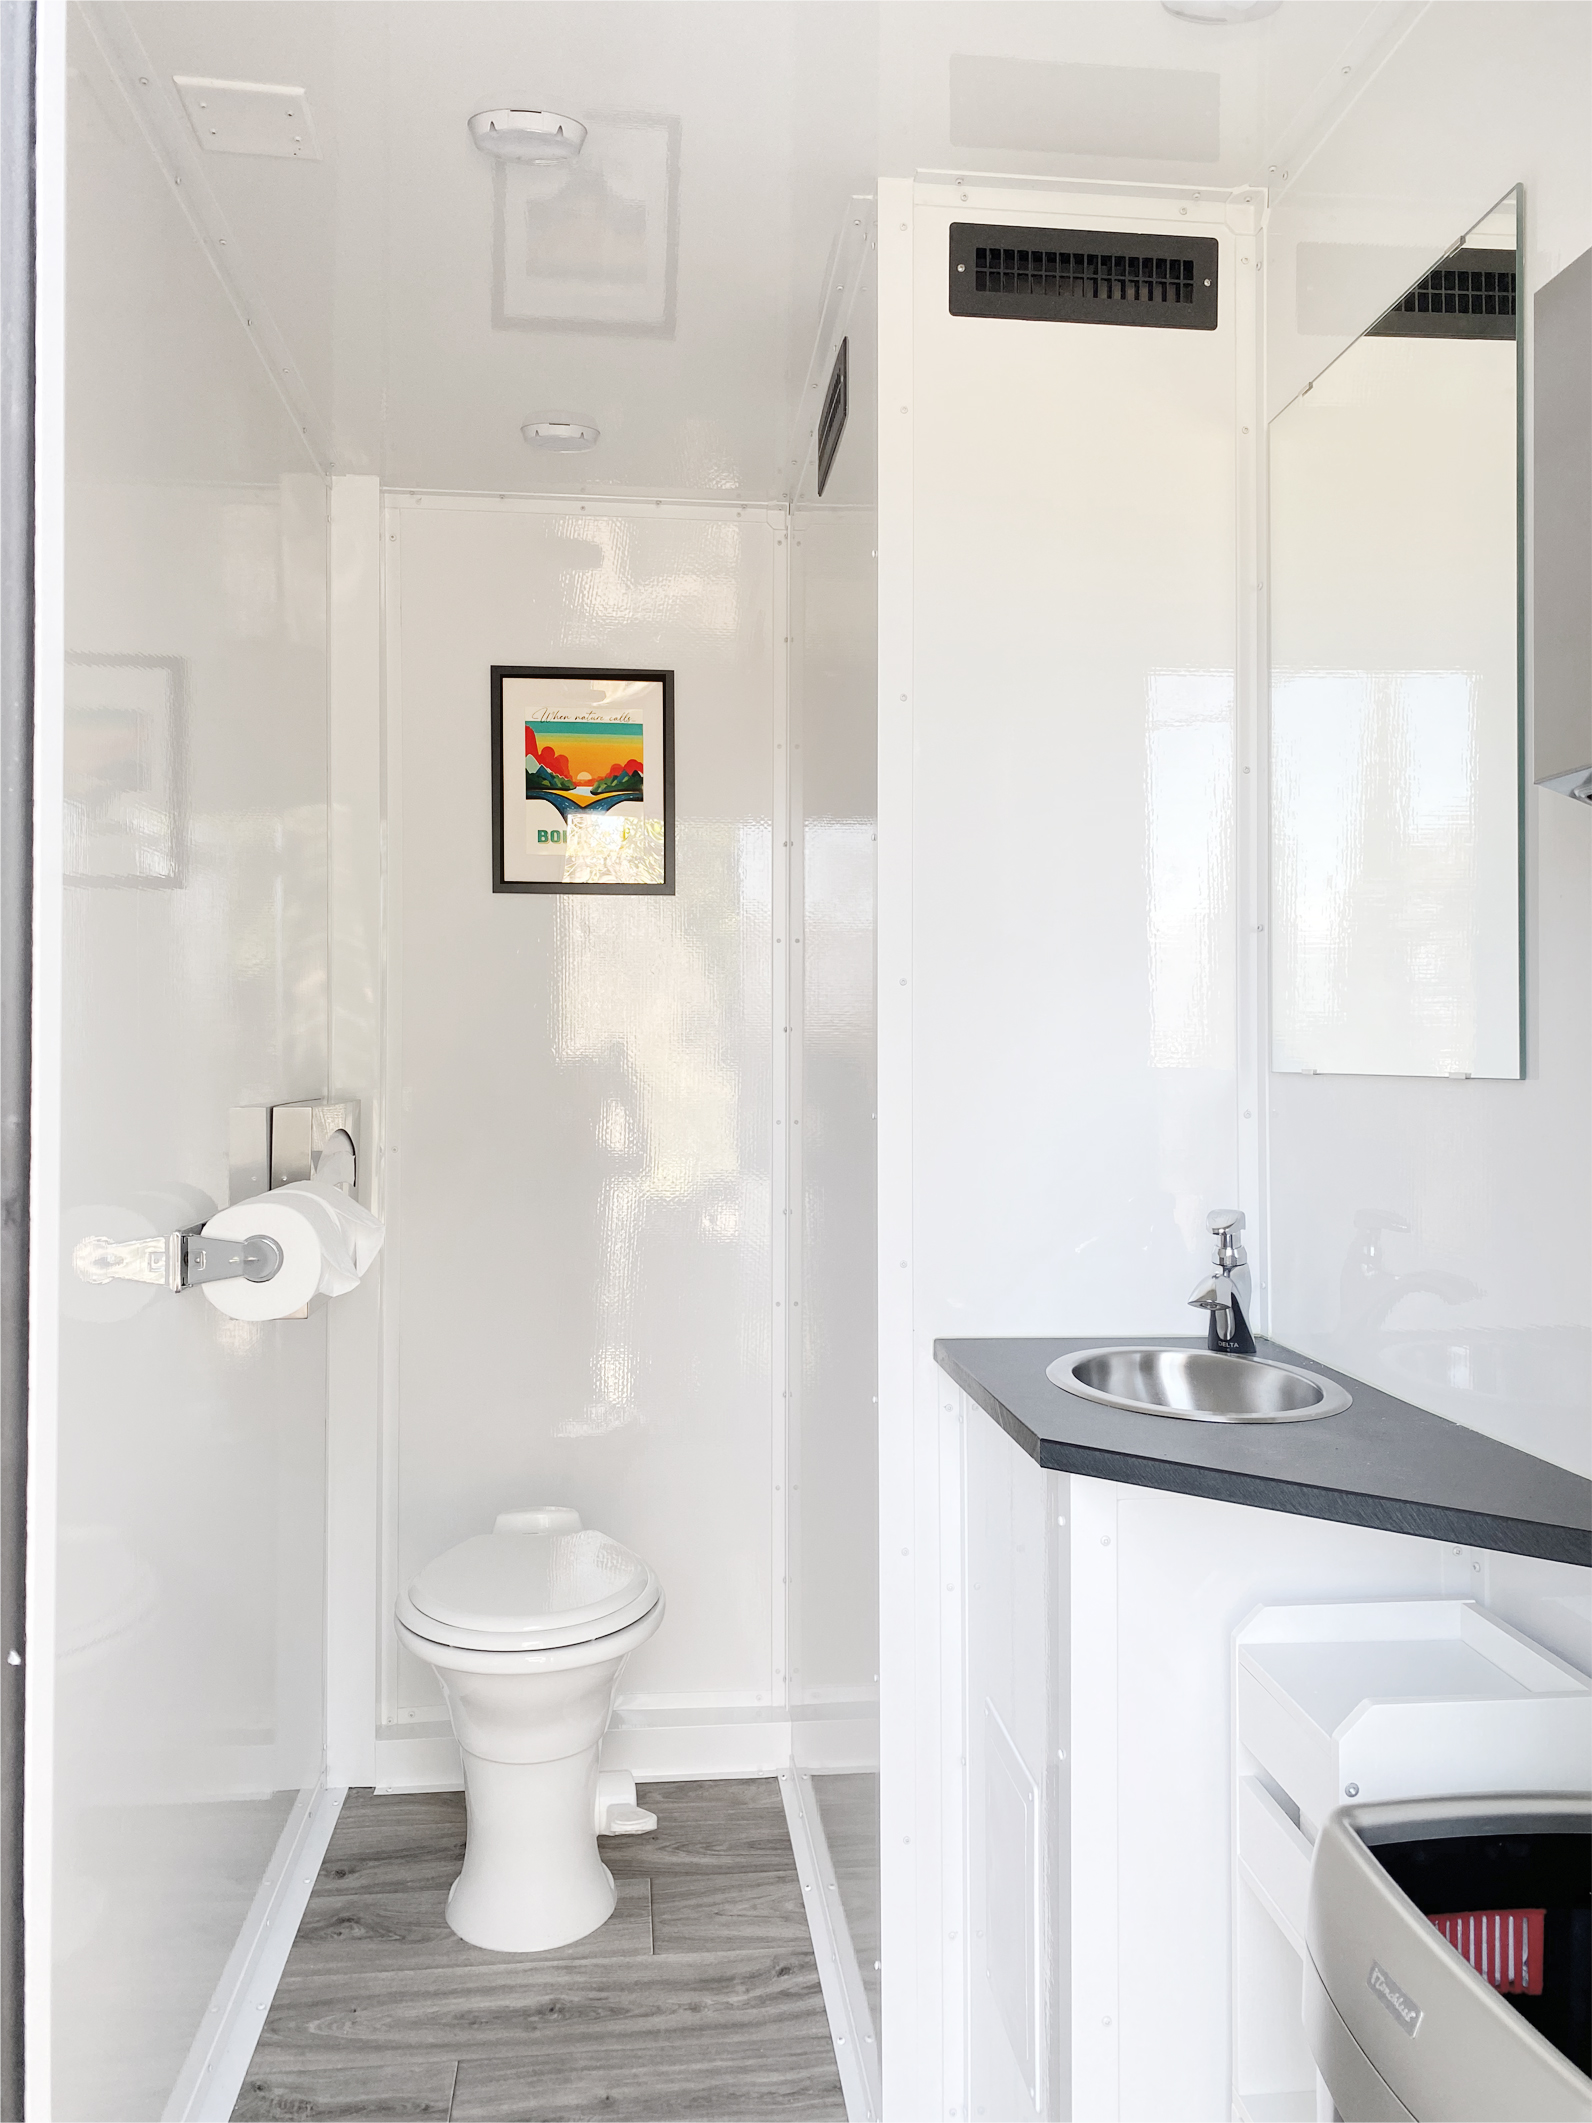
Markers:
point(308, 1138)
point(267, 1147)
point(179, 1261)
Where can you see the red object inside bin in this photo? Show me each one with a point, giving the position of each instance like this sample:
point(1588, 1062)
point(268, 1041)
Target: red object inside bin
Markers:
point(1504, 1946)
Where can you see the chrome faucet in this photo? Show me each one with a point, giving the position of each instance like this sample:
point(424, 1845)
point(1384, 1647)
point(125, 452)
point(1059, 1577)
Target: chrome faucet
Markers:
point(1224, 1293)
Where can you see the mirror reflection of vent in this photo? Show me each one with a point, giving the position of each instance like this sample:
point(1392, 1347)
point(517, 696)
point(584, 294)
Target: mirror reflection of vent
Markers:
point(1469, 295)
point(1075, 276)
point(832, 420)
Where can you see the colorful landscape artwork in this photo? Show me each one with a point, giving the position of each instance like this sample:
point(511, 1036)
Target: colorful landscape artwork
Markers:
point(582, 780)
point(584, 766)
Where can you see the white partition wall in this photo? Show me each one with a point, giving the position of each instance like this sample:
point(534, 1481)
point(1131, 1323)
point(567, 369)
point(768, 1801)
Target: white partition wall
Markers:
point(834, 1466)
point(1058, 964)
point(586, 1269)
point(833, 1094)
point(188, 1535)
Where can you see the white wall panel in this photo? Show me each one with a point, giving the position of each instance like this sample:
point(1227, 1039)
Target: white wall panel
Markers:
point(191, 1447)
point(1474, 100)
point(1058, 932)
point(835, 1558)
point(579, 1148)
point(834, 1459)
point(1072, 769)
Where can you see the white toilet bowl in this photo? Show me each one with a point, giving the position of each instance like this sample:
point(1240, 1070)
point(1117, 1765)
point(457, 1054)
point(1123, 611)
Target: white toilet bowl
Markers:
point(528, 1628)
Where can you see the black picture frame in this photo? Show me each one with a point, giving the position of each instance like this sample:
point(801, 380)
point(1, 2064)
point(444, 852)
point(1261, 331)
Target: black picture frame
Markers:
point(665, 679)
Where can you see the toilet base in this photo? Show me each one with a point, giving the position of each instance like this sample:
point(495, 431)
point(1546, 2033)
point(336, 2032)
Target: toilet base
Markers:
point(529, 1726)
point(533, 1877)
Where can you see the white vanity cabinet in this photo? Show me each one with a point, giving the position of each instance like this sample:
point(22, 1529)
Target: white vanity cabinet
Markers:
point(1015, 1744)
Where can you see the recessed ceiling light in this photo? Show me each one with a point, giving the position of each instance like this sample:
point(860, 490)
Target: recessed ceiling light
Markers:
point(1221, 10)
point(528, 136)
point(561, 434)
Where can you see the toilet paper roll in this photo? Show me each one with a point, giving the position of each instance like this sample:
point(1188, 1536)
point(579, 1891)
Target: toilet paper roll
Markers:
point(351, 1237)
point(324, 1234)
point(297, 1231)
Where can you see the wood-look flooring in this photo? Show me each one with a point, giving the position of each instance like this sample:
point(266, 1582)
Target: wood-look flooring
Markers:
point(698, 1998)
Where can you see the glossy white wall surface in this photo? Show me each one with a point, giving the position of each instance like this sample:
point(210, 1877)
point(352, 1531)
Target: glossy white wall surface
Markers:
point(1482, 1308)
point(1072, 773)
point(580, 1157)
point(834, 1523)
point(834, 1369)
point(1395, 713)
point(189, 1620)
point(1058, 952)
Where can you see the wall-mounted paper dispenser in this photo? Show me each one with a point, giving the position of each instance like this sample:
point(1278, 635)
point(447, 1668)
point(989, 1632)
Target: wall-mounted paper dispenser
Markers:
point(308, 1138)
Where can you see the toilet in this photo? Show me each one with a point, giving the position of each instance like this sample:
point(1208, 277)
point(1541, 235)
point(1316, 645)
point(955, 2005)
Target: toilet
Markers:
point(527, 1629)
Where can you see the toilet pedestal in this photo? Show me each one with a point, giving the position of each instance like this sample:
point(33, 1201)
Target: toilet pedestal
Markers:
point(532, 1875)
point(529, 1727)
point(527, 1630)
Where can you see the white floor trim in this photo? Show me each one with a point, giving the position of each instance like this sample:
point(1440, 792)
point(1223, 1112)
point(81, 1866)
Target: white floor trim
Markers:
point(851, 2025)
point(655, 1745)
point(209, 2083)
point(836, 1737)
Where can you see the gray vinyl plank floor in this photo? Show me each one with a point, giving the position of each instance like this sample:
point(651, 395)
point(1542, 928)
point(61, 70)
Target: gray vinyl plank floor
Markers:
point(698, 1999)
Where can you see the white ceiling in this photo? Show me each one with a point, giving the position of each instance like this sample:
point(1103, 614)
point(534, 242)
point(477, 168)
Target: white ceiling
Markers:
point(376, 264)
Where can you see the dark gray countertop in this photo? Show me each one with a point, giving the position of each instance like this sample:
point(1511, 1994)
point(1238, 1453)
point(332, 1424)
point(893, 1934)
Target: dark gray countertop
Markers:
point(1381, 1462)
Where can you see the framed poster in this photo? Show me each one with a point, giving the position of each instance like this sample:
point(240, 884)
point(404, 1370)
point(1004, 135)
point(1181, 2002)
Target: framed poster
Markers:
point(582, 780)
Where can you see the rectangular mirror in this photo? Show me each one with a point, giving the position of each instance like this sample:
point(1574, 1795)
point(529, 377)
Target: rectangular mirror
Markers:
point(1396, 729)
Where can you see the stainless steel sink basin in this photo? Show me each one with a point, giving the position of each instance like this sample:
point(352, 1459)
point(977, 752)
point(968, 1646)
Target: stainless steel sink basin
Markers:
point(1198, 1385)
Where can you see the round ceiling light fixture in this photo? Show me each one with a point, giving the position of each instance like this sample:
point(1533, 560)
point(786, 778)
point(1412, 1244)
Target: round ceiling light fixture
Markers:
point(554, 432)
point(527, 136)
point(1222, 11)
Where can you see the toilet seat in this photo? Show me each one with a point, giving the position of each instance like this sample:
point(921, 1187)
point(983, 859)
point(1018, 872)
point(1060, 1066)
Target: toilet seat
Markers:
point(595, 1651)
point(529, 1591)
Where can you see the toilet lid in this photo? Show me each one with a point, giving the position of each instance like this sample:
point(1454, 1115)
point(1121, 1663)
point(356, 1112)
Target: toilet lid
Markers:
point(529, 1591)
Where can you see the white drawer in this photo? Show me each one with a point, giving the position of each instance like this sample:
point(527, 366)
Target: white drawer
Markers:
point(1274, 1856)
point(1406, 1699)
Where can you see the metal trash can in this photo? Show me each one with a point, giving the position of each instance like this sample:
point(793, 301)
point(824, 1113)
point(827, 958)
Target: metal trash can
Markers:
point(1448, 1971)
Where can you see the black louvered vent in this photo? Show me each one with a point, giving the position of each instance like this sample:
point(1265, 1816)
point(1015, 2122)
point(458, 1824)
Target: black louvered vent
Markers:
point(1471, 295)
point(1073, 276)
point(832, 420)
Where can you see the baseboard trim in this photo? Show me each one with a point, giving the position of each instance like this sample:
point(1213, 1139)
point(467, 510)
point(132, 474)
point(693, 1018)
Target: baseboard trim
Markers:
point(655, 1746)
point(851, 2027)
point(212, 2077)
point(836, 1737)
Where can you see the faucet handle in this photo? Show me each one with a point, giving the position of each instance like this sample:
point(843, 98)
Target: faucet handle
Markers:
point(1225, 1226)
